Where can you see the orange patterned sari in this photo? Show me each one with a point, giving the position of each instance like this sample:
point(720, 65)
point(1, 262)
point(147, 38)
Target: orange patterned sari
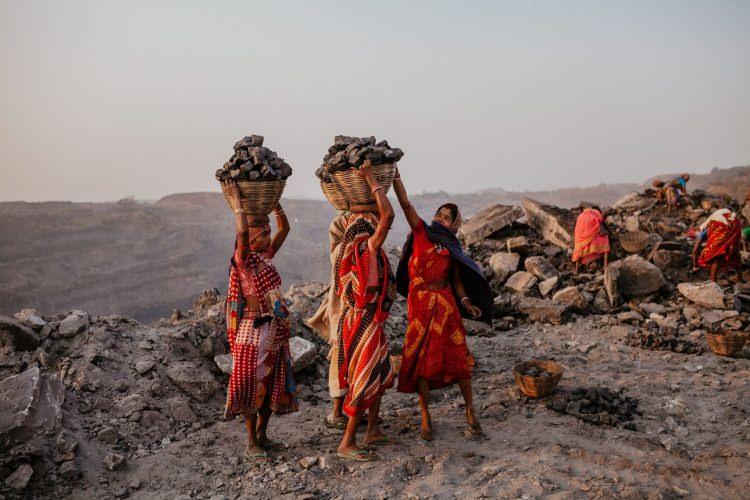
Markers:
point(435, 346)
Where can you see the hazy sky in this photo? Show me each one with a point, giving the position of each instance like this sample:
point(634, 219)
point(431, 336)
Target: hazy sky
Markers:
point(101, 100)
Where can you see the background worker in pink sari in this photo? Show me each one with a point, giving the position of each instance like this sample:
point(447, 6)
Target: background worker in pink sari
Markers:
point(591, 238)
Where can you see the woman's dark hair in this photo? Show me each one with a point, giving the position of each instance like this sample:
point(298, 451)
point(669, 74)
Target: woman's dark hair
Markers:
point(450, 206)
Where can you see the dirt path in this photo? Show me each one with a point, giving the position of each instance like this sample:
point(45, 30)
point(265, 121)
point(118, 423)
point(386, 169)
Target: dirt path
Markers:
point(692, 440)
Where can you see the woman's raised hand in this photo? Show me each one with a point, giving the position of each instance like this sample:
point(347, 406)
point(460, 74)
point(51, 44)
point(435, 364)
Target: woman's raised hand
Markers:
point(365, 170)
point(234, 193)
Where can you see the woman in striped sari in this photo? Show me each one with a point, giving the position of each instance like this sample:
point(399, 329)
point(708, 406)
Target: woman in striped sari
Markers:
point(366, 285)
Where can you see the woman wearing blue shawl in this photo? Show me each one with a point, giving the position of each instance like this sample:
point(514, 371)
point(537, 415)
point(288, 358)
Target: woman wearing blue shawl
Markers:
point(436, 276)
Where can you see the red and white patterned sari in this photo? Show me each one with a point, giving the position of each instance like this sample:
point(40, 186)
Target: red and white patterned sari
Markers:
point(259, 340)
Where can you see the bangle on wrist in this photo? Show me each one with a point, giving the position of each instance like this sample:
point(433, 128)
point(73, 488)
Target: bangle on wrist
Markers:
point(465, 299)
point(239, 211)
point(375, 188)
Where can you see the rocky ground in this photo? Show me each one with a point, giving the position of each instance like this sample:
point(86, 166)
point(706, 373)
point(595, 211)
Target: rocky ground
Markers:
point(103, 406)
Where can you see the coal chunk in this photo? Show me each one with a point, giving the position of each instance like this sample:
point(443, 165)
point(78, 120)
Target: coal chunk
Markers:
point(252, 161)
point(351, 152)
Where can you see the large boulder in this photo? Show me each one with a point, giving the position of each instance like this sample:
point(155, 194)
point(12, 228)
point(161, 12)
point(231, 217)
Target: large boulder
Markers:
point(32, 405)
point(74, 323)
point(571, 296)
point(303, 353)
point(555, 224)
point(180, 410)
point(521, 281)
point(503, 264)
point(488, 220)
point(670, 259)
point(193, 380)
point(129, 405)
point(633, 276)
point(18, 335)
point(544, 310)
point(517, 244)
point(706, 294)
point(20, 478)
point(31, 318)
point(541, 268)
point(546, 286)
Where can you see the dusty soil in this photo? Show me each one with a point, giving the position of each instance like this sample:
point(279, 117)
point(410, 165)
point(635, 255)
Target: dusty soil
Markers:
point(693, 438)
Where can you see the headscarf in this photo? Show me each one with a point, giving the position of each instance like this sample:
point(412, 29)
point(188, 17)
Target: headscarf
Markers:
point(723, 216)
point(255, 231)
point(456, 222)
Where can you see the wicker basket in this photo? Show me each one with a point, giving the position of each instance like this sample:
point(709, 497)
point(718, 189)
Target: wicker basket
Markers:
point(634, 241)
point(334, 197)
point(258, 197)
point(355, 188)
point(726, 343)
point(538, 387)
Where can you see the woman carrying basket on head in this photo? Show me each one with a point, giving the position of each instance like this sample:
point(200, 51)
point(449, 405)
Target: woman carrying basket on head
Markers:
point(262, 380)
point(366, 285)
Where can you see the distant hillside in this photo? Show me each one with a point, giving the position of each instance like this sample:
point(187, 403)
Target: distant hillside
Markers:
point(144, 259)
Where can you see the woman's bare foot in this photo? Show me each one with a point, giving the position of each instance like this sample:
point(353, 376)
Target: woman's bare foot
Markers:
point(255, 452)
point(426, 431)
point(375, 436)
point(471, 419)
point(269, 444)
point(427, 434)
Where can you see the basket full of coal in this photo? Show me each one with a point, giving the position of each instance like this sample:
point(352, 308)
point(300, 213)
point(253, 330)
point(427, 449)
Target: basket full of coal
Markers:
point(260, 175)
point(347, 154)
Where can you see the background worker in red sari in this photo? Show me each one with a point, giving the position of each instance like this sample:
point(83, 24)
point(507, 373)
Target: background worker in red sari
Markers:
point(262, 381)
point(440, 283)
point(591, 238)
point(722, 247)
point(367, 287)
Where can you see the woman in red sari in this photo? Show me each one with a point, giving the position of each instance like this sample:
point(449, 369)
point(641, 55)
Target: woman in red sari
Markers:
point(366, 287)
point(722, 248)
point(262, 381)
point(591, 238)
point(432, 274)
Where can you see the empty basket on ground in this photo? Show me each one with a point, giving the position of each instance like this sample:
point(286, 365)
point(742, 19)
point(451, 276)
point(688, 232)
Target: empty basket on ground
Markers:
point(334, 196)
point(258, 197)
point(351, 185)
point(634, 241)
point(726, 343)
point(537, 387)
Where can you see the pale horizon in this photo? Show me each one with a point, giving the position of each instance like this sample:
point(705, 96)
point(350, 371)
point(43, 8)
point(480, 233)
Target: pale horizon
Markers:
point(102, 101)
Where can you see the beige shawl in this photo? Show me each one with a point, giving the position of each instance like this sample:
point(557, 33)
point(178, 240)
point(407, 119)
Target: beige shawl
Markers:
point(326, 319)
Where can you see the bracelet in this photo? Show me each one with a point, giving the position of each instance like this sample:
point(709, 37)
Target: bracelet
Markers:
point(375, 188)
point(279, 212)
point(239, 211)
point(465, 298)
